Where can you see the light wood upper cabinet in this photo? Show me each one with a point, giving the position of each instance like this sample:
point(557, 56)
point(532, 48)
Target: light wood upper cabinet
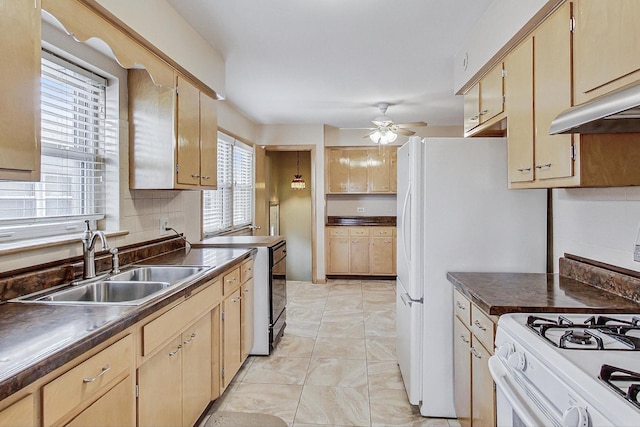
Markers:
point(519, 105)
point(606, 41)
point(552, 94)
point(20, 88)
point(173, 135)
point(484, 105)
point(361, 170)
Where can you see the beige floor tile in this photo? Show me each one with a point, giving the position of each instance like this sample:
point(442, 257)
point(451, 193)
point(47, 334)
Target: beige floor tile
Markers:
point(384, 374)
point(386, 296)
point(353, 329)
point(274, 399)
point(294, 346)
point(381, 348)
point(391, 408)
point(343, 302)
point(303, 328)
point(300, 311)
point(347, 315)
point(340, 348)
point(369, 306)
point(337, 372)
point(347, 288)
point(334, 406)
point(277, 370)
point(454, 423)
point(377, 326)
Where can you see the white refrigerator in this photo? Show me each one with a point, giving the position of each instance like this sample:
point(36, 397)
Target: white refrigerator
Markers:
point(454, 213)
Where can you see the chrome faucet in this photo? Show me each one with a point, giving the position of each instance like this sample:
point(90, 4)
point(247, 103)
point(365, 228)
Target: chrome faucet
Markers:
point(88, 243)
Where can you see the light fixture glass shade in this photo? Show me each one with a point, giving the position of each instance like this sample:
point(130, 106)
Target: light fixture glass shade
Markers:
point(383, 136)
point(298, 183)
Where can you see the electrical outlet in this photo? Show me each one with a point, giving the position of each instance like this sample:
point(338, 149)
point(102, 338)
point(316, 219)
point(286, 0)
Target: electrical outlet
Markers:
point(164, 223)
point(360, 210)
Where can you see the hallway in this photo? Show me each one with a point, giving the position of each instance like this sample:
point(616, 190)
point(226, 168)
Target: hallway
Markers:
point(336, 364)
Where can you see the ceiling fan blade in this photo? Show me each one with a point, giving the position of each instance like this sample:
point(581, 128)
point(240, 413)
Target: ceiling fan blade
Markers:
point(370, 133)
point(382, 124)
point(405, 132)
point(411, 125)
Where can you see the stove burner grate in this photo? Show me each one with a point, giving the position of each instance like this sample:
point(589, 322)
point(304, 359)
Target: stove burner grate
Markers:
point(609, 374)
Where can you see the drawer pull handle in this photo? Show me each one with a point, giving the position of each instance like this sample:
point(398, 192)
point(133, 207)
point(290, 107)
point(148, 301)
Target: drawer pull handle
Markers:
point(173, 353)
point(479, 325)
point(231, 280)
point(206, 177)
point(460, 306)
point(464, 339)
point(246, 291)
point(195, 175)
point(236, 299)
point(249, 269)
point(193, 335)
point(475, 353)
point(104, 370)
point(548, 165)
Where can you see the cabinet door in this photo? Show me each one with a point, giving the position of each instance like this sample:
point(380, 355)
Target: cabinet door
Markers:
point(246, 327)
point(379, 171)
point(338, 255)
point(359, 255)
point(160, 387)
point(606, 41)
point(338, 171)
point(393, 170)
point(196, 370)
point(115, 408)
point(216, 352)
point(519, 104)
point(491, 94)
point(231, 335)
point(472, 108)
point(552, 94)
point(20, 88)
point(462, 372)
point(358, 171)
point(382, 259)
point(188, 133)
point(208, 141)
point(483, 398)
point(19, 414)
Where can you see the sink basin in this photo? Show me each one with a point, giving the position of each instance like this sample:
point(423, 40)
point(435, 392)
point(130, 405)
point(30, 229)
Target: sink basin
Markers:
point(158, 273)
point(130, 287)
point(107, 292)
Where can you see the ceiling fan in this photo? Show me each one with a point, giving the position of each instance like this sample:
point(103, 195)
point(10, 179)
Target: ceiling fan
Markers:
point(386, 131)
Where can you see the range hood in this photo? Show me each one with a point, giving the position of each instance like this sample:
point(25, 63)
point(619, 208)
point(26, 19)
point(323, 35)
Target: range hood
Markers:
point(616, 112)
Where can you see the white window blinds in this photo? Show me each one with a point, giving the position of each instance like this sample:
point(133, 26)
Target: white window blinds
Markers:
point(72, 186)
point(231, 205)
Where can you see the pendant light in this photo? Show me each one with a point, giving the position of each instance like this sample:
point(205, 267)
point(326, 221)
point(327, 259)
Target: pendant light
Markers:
point(298, 183)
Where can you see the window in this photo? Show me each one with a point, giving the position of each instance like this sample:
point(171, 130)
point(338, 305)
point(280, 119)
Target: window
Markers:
point(230, 207)
point(72, 186)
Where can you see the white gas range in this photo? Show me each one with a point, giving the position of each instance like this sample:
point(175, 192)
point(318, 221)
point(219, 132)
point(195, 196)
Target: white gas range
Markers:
point(567, 370)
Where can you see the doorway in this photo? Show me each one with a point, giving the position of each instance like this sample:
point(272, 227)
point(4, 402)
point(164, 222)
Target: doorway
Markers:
point(294, 206)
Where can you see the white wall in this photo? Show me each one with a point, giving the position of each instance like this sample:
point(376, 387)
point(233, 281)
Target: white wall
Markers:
point(500, 22)
point(600, 224)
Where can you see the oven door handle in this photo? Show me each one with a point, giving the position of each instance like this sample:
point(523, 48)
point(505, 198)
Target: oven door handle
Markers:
point(527, 414)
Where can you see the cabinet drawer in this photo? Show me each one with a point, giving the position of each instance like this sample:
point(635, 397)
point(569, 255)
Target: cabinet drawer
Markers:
point(246, 271)
point(462, 307)
point(70, 389)
point(174, 321)
point(19, 414)
point(382, 231)
point(231, 281)
point(482, 327)
point(358, 231)
point(338, 231)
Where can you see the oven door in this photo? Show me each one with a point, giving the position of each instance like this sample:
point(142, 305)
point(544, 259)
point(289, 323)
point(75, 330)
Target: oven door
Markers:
point(517, 404)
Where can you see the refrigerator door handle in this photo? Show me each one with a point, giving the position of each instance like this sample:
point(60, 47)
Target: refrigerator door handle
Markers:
point(407, 300)
point(406, 226)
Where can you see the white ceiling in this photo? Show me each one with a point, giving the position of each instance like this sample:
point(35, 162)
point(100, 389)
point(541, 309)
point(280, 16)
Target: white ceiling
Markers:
point(333, 61)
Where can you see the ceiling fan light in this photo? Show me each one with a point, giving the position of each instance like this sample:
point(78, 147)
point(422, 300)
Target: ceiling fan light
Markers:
point(383, 136)
point(375, 136)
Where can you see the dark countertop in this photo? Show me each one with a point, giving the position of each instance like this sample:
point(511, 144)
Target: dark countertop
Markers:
point(385, 221)
point(37, 338)
point(501, 293)
point(239, 241)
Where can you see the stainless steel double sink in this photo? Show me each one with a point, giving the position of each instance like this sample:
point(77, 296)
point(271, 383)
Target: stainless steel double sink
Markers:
point(129, 287)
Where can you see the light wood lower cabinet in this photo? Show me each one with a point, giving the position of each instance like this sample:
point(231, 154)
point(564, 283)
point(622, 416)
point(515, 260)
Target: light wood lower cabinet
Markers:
point(19, 414)
point(114, 409)
point(362, 250)
point(474, 393)
point(231, 337)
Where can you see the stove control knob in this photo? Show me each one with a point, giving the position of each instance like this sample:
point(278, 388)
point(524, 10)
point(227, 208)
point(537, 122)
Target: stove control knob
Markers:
point(506, 350)
point(517, 361)
point(575, 416)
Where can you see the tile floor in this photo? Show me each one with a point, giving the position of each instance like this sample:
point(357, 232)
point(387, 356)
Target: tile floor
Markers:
point(335, 365)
